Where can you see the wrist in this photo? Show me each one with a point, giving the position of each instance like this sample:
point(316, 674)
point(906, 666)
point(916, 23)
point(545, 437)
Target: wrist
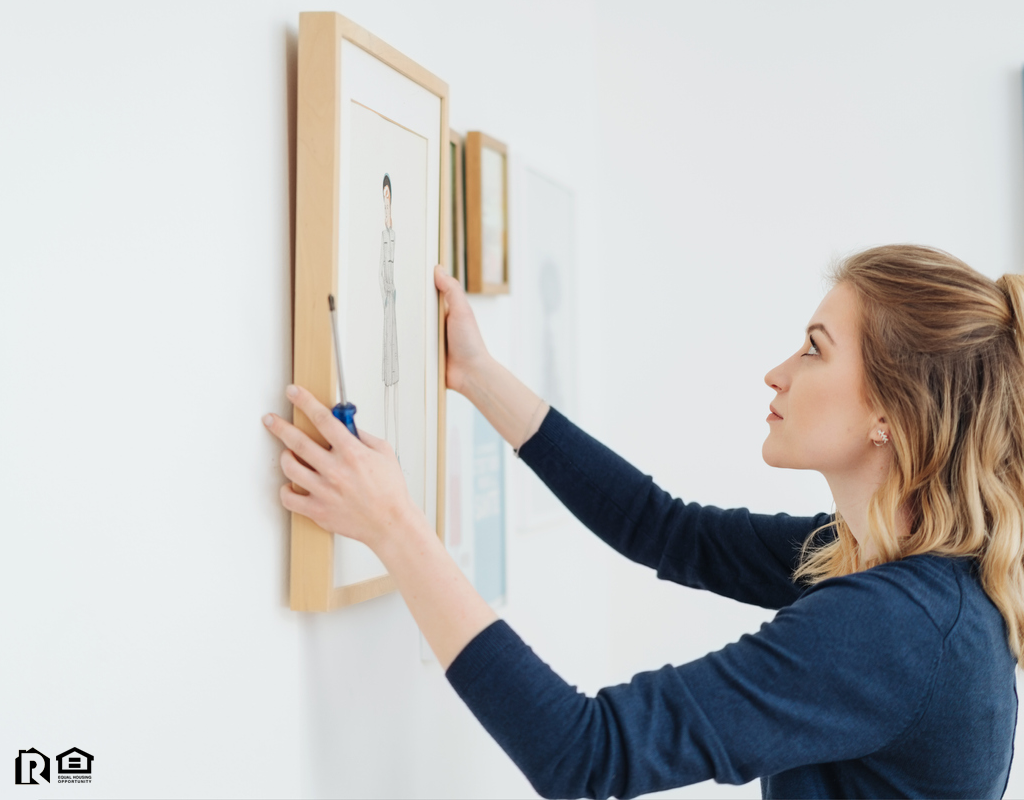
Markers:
point(481, 378)
point(533, 424)
point(411, 536)
point(477, 377)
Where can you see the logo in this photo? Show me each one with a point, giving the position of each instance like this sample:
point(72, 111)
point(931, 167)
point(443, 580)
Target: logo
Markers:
point(29, 765)
point(73, 766)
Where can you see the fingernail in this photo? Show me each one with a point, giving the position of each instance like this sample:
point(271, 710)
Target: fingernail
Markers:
point(268, 420)
point(292, 390)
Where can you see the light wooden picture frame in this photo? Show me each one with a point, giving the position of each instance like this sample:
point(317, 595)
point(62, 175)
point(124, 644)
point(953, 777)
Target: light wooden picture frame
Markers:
point(457, 253)
point(486, 161)
point(372, 220)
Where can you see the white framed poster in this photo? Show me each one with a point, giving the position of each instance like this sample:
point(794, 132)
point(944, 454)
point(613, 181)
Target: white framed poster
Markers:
point(545, 308)
point(371, 202)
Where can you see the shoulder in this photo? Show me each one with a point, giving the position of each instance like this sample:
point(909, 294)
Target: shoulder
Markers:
point(918, 590)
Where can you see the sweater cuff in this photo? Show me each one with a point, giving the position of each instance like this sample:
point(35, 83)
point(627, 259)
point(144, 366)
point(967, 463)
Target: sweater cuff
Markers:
point(551, 430)
point(487, 646)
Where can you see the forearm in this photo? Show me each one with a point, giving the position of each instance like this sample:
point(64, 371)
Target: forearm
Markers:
point(552, 732)
point(446, 607)
point(513, 409)
point(629, 740)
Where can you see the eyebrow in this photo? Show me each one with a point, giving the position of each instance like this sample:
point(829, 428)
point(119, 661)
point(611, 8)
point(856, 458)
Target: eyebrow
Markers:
point(817, 326)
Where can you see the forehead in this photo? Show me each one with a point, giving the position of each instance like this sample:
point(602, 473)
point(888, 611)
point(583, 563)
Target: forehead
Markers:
point(839, 312)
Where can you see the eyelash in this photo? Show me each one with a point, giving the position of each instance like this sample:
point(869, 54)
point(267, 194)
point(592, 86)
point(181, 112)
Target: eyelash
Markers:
point(814, 348)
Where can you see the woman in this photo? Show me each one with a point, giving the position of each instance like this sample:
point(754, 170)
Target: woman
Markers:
point(889, 668)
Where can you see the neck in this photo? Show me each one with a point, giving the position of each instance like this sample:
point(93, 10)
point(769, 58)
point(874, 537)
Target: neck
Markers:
point(852, 495)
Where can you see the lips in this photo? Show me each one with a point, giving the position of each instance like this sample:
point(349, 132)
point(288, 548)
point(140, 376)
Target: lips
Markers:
point(774, 414)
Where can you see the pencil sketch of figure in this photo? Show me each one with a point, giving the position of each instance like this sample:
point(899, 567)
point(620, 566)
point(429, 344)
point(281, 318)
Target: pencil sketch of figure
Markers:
point(389, 361)
point(551, 300)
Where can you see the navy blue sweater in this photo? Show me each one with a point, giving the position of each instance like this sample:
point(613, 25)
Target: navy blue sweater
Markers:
point(892, 682)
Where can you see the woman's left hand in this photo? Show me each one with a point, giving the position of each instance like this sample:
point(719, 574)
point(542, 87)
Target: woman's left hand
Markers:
point(356, 488)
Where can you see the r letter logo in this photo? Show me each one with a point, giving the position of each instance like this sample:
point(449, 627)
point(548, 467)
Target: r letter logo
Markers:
point(31, 764)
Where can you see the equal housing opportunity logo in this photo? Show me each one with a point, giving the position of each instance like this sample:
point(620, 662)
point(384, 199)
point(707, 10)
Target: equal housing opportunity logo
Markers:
point(33, 767)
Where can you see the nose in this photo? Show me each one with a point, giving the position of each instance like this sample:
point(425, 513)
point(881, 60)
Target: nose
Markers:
point(776, 378)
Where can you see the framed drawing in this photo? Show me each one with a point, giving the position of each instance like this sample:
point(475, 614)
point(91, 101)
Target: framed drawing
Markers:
point(486, 214)
point(372, 201)
point(544, 308)
point(457, 251)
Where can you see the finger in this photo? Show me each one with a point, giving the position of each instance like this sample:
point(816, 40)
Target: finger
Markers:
point(299, 473)
point(380, 445)
point(299, 503)
point(330, 426)
point(298, 442)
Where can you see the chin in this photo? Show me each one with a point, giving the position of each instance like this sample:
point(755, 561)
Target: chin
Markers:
point(772, 456)
point(770, 461)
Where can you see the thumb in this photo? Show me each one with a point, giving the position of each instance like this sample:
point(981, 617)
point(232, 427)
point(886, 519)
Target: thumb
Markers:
point(445, 283)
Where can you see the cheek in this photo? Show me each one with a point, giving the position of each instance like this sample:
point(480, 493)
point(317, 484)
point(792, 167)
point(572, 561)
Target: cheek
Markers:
point(831, 420)
point(821, 407)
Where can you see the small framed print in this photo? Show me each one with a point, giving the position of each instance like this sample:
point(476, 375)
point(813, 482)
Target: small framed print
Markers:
point(457, 248)
point(486, 214)
point(372, 207)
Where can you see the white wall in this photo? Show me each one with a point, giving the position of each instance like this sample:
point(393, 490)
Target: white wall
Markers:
point(721, 154)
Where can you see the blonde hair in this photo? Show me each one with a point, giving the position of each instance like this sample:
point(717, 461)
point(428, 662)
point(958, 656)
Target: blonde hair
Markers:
point(942, 349)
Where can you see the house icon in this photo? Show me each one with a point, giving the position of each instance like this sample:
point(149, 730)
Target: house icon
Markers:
point(74, 762)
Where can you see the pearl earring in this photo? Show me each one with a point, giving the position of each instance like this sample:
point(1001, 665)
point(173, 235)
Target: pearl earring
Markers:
point(885, 439)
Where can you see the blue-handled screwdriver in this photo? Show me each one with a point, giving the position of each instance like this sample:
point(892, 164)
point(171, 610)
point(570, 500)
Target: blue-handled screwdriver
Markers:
point(346, 412)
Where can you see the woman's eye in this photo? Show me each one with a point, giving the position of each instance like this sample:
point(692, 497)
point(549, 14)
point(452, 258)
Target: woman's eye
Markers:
point(813, 350)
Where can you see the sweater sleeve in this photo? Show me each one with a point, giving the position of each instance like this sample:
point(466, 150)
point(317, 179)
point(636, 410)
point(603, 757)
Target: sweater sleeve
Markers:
point(837, 675)
point(734, 553)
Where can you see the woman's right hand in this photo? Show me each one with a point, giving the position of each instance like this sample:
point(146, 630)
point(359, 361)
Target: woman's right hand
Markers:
point(467, 352)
